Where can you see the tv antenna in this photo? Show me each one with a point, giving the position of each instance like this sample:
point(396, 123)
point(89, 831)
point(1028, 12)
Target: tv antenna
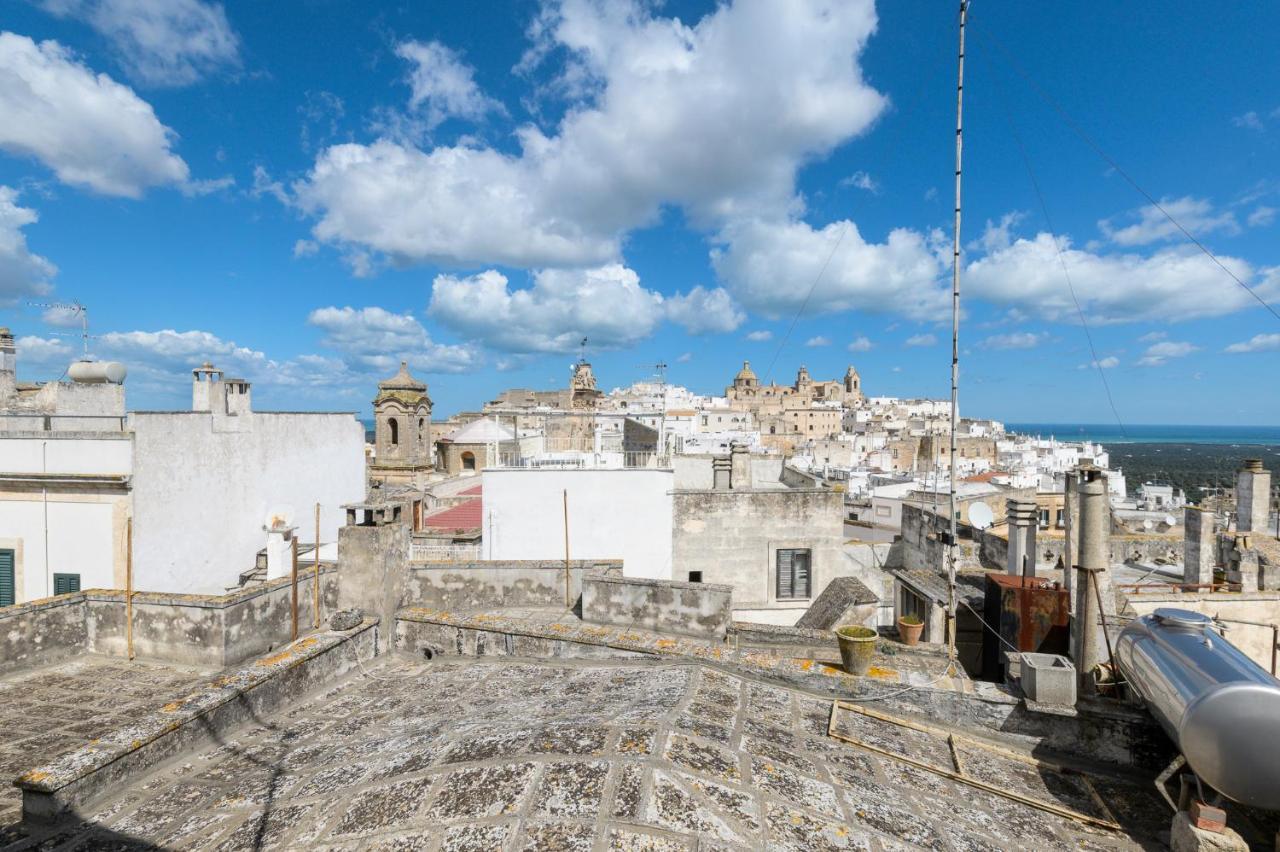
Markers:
point(75, 309)
point(582, 357)
point(659, 370)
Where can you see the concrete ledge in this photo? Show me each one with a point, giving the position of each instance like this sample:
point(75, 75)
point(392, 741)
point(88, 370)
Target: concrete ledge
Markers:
point(755, 633)
point(690, 609)
point(194, 721)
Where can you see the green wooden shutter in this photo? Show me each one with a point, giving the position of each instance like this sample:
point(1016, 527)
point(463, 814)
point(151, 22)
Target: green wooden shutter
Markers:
point(65, 584)
point(7, 591)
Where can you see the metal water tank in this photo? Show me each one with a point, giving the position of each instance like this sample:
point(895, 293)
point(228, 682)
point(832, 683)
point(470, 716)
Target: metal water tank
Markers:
point(1220, 707)
point(97, 372)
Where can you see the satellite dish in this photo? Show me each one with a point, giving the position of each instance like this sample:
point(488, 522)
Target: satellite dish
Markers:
point(1146, 525)
point(1170, 520)
point(980, 516)
point(279, 518)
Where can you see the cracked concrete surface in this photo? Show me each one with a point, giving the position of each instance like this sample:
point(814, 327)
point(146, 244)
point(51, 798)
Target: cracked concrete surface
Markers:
point(47, 712)
point(512, 755)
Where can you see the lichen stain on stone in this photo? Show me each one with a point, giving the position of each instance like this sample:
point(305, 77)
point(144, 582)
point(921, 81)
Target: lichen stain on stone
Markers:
point(880, 672)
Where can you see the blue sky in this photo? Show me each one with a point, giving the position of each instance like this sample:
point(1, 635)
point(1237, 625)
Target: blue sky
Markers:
point(305, 193)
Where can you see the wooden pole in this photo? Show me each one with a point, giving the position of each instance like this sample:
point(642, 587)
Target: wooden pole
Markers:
point(128, 585)
point(294, 600)
point(566, 548)
point(315, 581)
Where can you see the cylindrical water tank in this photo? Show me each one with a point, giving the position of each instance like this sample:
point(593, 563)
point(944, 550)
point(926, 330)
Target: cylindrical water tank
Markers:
point(97, 372)
point(1220, 707)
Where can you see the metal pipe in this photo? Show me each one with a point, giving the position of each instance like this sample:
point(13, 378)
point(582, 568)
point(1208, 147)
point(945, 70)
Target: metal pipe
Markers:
point(293, 602)
point(566, 548)
point(315, 580)
point(1220, 707)
point(128, 585)
point(1094, 556)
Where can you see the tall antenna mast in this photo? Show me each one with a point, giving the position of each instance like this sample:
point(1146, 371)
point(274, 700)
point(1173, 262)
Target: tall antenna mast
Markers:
point(953, 541)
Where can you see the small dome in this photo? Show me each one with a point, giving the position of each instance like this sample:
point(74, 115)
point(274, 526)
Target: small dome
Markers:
point(402, 380)
point(482, 431)
point(745, 373)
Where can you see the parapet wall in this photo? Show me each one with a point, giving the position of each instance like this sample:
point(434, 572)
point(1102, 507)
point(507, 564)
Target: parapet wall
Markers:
point(473, 585)
point(690, 609)
point(198, 630)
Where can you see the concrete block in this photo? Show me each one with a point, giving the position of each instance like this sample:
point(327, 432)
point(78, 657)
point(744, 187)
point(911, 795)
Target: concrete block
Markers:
point(1049, 679)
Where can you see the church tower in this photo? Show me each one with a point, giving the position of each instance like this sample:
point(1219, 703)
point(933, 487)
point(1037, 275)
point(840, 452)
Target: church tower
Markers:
point(402, 424)
point(852, 385)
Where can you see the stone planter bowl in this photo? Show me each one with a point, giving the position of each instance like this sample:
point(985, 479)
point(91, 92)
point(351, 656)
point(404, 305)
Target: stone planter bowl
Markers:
point(857, 645)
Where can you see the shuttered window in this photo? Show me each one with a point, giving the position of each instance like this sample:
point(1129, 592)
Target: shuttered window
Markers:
point(65, 584)
point(7, 592)
point(793, 574)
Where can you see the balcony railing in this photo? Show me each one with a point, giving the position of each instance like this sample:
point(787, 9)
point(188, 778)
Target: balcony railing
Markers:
point(584, 461)
point(37, 422)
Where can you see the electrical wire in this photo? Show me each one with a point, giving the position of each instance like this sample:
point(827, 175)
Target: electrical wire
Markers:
point(1062, 260)
point(1110, 161)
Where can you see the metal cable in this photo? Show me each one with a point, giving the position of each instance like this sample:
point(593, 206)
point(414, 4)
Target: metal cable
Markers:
point(1075, 128)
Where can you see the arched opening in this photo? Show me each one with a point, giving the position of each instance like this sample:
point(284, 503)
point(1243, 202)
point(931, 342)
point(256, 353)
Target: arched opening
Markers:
point(468, 461)
point(422, 435)
point(395, 431)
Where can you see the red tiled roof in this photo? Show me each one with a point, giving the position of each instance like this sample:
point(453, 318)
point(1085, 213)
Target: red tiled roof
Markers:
point(475, 489)
point(985, 477)
point(464, 516)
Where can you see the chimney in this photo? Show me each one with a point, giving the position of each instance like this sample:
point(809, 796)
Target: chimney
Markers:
point(279, 549)
point(740, 467)
point(1199, 549)
point(1093, 584)
point(8, 365)
point(1022, 516)
point(206, 389)
point(1253, 497)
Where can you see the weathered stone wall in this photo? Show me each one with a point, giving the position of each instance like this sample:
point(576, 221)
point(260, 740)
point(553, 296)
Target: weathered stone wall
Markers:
point(732, 538)
point(690, 609)
point(197, 630)
point(476, 585)
point(41, 632)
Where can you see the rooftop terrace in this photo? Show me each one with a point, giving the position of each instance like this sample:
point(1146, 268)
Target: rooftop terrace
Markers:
point(585, 755)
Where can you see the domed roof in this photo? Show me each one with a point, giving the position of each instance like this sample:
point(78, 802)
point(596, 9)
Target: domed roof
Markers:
point(482, 431)
point(745, 372)
point(402, 380)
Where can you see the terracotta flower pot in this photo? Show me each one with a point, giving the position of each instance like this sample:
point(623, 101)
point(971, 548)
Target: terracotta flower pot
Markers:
point(857, 644)
point(910, 633)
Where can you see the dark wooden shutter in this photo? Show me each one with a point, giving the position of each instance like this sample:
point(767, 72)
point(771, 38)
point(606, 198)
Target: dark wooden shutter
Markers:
point(7, 591)
point(65, 584)
point(786, 583)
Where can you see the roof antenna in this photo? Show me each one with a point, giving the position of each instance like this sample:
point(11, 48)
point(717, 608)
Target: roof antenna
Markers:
point(582, 358)
point(953, 543)
point(75, 309)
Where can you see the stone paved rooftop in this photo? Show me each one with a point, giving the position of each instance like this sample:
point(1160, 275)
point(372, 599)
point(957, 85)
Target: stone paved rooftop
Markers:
point(583, 755)
point(47, 712)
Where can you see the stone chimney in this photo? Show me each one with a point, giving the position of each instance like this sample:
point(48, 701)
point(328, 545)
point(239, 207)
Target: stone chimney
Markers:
point(1022, 516)
point(8, 365)
point(1093, 578)
point(206, 389)
point(1199, 547)
point(1253, 497)
point(740, 467)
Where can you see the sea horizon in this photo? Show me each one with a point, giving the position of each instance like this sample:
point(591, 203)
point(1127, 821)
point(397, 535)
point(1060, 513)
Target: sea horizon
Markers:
point(1151, 433)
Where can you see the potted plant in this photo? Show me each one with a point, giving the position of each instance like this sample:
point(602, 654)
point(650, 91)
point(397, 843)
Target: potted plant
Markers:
point(909, 629)
point(857, 644)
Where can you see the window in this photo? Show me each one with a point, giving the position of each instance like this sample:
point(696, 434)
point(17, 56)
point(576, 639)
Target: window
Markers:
point(65, 584)
point(1044, 519)
point(395, 431)
point(695, 576)
point(468, 461)
point(7, 591)
point(1061, 522)
point(793, 574)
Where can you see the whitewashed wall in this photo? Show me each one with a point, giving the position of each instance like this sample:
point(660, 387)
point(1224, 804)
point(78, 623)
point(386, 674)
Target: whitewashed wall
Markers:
point(202, 487)
point(613, 514)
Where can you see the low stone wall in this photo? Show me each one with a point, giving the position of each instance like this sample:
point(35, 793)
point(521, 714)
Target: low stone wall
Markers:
point(205, 631)
point(208, 715)
point(42, 632)
point(689, 609)
point(476, 585)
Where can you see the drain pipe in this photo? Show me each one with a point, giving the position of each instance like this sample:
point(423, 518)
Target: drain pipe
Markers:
point(44, 499)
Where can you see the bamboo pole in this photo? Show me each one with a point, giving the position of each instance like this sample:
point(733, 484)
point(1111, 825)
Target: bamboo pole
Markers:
point(293, 606)
point(128, 585)
point(315, 581)
point(566, 548)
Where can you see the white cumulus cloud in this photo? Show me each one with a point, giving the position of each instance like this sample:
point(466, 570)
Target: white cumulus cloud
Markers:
point(1149, 225)
point(375, 340)
point(819, 340)
point(1013, 340)
point(88, 129)
point(1110, 362)
point(860, 344)
point(702, 311)
point(22, 272)
point(922, 340)
point(160, 42)
point(442, 85)
point(1159, 353)
point(760, 335)
point(1257, 343)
